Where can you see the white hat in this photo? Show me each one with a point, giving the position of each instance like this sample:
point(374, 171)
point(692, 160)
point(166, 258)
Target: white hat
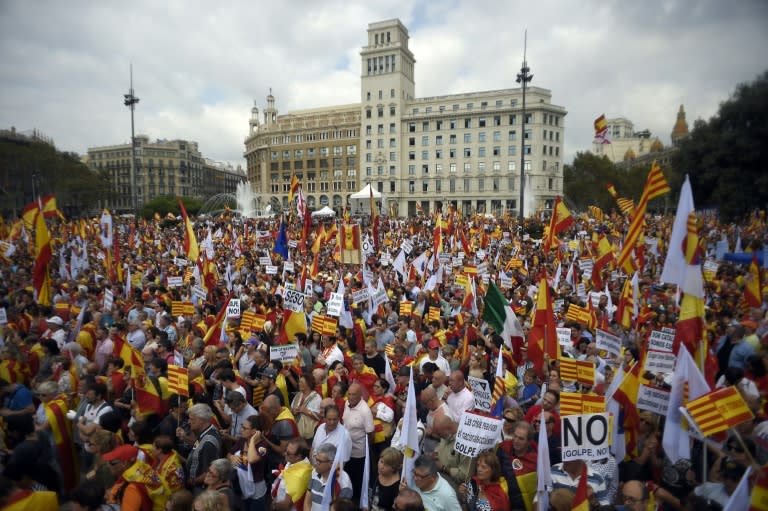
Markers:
point(55, 320)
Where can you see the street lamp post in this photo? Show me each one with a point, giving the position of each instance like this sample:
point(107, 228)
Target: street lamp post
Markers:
point(130, 100)
point(523, 77)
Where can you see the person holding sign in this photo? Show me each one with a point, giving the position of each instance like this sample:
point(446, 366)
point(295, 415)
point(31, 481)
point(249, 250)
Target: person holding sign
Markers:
point(483, 490)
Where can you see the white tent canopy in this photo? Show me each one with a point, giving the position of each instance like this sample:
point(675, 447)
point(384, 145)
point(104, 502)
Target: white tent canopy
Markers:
point(365, 193)
point(361, 201)
point(325, 211)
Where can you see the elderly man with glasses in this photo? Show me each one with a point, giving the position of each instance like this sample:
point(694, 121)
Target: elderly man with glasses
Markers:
point(331, 432)
point(436, 493)
point(207, 445)
point(323, 462)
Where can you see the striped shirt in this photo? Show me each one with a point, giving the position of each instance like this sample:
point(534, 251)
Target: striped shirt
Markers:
point(561, 479)
point(317, 488)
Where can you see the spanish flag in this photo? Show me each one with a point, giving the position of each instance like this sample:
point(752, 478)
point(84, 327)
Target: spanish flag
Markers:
point(542, 338)
point(752, 285)
point(61, 431)
point(41, 277)
point(581, 500)
point(191, 249)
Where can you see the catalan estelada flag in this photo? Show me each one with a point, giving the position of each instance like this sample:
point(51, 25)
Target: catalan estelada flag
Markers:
point(719, 410)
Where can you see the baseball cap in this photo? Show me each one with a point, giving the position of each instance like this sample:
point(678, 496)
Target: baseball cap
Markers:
point(269, 373)
point(434, 344)
point(55, 320)
point(122, 453)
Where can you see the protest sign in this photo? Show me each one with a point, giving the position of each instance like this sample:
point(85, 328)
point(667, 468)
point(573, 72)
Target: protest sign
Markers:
point(265, 261)
point(199, 292)
point(564, 337)
point(653, 399)
point(606, 341)
point(293, 300)
point(379, 297)
point(284, 352)
point(233, 308)
point(175, 281)
point(270, 269)
point(180, 261)
point(477, 433)
point(109, 299)
point(585, 437)
point(481, 389)
point(660, 362)
point(335, 304)
point(360, 295)
point(288, 266)
point(407, 247)
point(661, 341)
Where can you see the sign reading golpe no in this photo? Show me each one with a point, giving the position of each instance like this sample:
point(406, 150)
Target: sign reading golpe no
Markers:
point(585, 437)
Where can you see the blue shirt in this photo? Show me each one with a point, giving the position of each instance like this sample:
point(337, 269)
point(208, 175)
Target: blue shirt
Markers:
point(739, 354)
point(19, 399)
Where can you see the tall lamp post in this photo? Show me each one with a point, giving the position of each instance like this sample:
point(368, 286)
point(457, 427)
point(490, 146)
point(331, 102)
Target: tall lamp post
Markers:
point(130, 101)
point(523, 77)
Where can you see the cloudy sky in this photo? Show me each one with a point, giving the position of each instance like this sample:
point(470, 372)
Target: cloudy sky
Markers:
point(199, 65)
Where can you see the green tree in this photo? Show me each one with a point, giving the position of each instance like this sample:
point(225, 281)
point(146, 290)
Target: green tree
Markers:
point(727, 156)
point(585, 180)
point(169, 204)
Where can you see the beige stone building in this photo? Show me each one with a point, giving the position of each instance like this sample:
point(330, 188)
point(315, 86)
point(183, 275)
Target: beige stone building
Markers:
point(463, 149)
point(163, 167)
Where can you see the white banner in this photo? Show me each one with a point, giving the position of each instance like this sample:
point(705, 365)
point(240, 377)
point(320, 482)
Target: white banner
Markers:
point(608, 342)
point(233, 308)
point(585, 437)
point(284, 352)
point(482, 392)
point(653, 399)
point(660, 362)
point(379, 297)
point(3, 316)
point(265, 261)
point(564, 337)
point(175, 281)
point(270, 269)
point(288, 266)
point(199, 292)
point(360, 295)
point(293, 300)
point(407, 247)
point(505, 281)
point(180, 261)
point(335, 304)
point(661, 340)
point(477, 433)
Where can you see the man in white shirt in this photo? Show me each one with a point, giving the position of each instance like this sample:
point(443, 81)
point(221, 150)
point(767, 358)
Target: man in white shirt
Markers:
point(358, 420)
point(331, 432)
point(460, 398)
point(56, 331)
point(136, 337)
point(330, 353)
point(435, 357)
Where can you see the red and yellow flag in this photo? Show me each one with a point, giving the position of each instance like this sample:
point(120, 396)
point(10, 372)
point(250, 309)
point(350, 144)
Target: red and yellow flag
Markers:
point(752, 285)
point(178, 380)
point(191, 249)
point(581, 499)
point(542, 339)
point(719, 411)
point(41, 277)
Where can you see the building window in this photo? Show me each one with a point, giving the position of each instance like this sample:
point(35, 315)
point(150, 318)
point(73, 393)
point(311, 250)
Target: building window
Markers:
point(438, 153)
point(466, 185)
point(550, 183)
point(438, 167)
point(367, 113)
point(439, 140)
point(380, 143)
point(481, 166)
point(351, 172)
point(392, 91)
point(513, 119)
point(438, 185)
point(411, 155)
point(452, 124)
point(380, 170)
point(429, 110)
point(368, 144)
point(512, 135)
point(425, 186)
point(368, 130)
point(467, 138)
point(497, 118)
point(392, 156)
point(425, 154)
point(527, 165)
point(481, 136)
point(497, 165)
point(497, 151)
point(544, 150)
point(526, 149)
point(497, 136)
point(411, 141)
point(380, 129)
point(468, 122)
point(528, 118)
point(481, 122)
point(528, 134)
point(391, 171)
point(512, 150)
point(392, 111)
point(392, 186)
point(452, 185)
point(411, 186)
point(392, 127)
point(481, 152)
point(438, 124)
point(467, 152)
point(412, 127)
point(425, 126)
point(452, 152)
point(467, 167)
point(411, 169)
point(480, 184)
point(392, 142)
point(511, 166)
point(453, 168)
point(452, 139)
point(425, 140)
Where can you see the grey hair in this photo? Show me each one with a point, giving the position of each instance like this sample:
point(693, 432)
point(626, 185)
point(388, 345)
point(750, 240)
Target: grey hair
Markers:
point(201, 411)
point(224, 468)
point(327, 450)
point(49, 388)
point(427, 462)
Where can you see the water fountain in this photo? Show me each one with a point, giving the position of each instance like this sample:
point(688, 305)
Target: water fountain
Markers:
point(247, 203)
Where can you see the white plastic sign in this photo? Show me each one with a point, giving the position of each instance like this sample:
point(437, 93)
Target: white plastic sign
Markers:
point(585, 437)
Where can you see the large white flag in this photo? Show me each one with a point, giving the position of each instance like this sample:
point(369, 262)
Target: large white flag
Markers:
point(409, 437)
point(677, 269)
point(676, 441)
point(106, 229)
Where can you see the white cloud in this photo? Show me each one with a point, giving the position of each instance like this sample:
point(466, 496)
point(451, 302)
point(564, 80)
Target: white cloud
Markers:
point(198, 66)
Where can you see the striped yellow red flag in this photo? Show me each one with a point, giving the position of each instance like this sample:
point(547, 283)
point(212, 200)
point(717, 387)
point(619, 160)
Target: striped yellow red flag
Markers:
point(655, 186)
point(578, 314)
point(719, 410)
point(178, 380)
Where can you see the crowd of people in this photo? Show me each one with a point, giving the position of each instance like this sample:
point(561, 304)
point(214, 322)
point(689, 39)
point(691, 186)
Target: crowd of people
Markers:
point(93, 419)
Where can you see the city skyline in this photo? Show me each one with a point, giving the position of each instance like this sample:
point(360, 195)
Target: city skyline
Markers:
point(64, 67)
